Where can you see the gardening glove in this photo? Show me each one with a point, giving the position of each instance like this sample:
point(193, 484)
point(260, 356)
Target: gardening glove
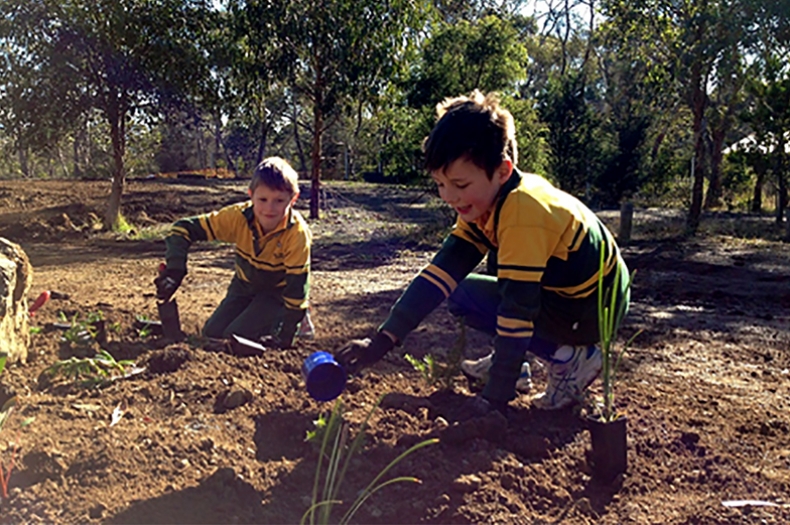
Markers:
point(168, 282)
point(362, 353)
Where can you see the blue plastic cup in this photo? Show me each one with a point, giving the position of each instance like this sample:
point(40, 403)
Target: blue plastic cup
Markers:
point(324, 377)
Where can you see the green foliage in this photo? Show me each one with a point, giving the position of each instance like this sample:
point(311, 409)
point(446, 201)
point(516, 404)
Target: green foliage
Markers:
point(427, 367)
point(81, 332)
point(436, 373)
point(573, 134)
point(485, 54)
point(97, 371)
point(338, 453)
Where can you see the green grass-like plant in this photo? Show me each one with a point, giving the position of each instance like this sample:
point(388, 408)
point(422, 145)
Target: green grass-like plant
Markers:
point(97, 371)
point(610, 314)
point(335, 449)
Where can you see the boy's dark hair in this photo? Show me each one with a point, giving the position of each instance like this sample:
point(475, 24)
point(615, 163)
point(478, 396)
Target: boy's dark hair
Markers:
point(475, 127)
point(277, 174)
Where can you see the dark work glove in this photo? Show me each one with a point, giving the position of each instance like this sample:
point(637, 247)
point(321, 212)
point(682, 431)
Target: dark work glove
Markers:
point(168, 282)
point(361, 353)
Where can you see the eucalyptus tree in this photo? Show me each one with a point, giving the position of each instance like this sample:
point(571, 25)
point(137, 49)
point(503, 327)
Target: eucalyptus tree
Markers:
point(124, 58)
point(332, 52)
point(697, 41)
point(486, 53)
point(769, 115)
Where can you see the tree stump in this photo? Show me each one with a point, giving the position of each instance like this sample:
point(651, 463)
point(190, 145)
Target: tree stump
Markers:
point(626, 222)
point(16, 276)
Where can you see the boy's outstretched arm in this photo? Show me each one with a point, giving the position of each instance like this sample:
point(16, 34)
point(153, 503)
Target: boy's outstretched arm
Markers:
point(457, 258)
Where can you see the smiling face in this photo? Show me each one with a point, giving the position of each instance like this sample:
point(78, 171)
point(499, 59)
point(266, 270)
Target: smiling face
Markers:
point(466, 187)
point(270, 206)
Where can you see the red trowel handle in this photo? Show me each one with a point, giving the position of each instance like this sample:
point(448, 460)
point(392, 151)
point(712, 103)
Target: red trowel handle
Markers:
point(39, 302)
point(162, 268)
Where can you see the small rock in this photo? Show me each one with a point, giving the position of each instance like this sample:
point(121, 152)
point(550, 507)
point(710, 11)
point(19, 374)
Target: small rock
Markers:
point(236, 397)
point(97, 511)
point(441, 423)
point(466, 483)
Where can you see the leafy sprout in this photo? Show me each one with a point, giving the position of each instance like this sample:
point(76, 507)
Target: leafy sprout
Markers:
point(96, 371)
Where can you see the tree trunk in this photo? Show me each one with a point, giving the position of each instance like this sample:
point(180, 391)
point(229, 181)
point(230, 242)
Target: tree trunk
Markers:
point(298, 140)
point(626, 223)
point(713, 196)
point(315, 169)
point(782, 192)
point(757, 196)
point(116, 117)
point(698, 98)
point(262, 142)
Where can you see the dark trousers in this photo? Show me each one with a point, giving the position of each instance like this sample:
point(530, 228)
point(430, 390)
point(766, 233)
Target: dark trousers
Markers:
point(561, 321)
point(245, 313)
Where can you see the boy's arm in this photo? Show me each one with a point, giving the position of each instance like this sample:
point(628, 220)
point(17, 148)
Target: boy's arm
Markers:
point(523, 253)
point(221, 225)
point(459, 255)
point(296, 292)
point(455, 260)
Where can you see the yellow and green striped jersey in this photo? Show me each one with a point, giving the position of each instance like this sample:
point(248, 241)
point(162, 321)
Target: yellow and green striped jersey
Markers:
point(544, 241)
point(278, 261)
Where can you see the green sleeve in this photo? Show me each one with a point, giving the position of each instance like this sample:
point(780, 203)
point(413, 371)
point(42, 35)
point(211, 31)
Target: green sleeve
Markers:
point(432, 285)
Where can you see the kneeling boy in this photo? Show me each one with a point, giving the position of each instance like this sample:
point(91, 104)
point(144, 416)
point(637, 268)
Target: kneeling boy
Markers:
point(269, 291)
point(545, 245)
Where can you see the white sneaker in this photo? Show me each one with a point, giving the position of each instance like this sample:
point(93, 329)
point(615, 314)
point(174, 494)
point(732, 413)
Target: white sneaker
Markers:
point(478, 369)
point(567, 381)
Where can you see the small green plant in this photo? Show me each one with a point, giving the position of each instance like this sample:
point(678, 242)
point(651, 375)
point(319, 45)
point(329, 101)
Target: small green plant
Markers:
point(319, 427)
point(96, 371)
point(610, 313)
point(335, 431)
point(427, 367)
point(79, 332)
point(115, 327)
point(434, 372)
point(35, 330)
point(82, 332)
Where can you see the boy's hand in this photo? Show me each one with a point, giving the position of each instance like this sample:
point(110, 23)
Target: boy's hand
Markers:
point(362, 353)
point(167, 283)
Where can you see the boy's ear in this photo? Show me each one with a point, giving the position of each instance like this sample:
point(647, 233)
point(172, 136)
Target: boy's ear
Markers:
point(504, 171)
point(249, 192)
point(293, 199)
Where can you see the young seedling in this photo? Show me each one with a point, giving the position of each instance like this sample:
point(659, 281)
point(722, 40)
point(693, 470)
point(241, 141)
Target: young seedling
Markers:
point(434, 372)
point(610, 313)
point(96, 371)
point(336, 431)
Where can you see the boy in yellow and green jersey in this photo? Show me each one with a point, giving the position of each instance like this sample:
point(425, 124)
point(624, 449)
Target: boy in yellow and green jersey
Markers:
point(543, 244)
point(268, 295)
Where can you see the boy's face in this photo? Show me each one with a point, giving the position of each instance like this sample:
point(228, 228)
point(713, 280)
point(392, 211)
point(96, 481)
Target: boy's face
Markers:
point(270, 205)
point(467, 188)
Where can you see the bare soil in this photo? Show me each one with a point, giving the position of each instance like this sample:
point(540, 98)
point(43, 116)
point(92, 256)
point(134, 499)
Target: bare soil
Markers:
point(705, 387)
